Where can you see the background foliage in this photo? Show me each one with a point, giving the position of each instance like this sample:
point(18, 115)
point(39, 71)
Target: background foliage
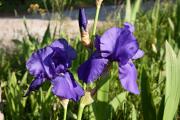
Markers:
point(158, 32)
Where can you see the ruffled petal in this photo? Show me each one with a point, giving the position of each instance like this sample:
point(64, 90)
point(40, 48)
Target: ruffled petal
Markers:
point(108, 41)
point(65, 49)
point(60, 69)
point(138, 54)
point(60, 57)
point(65, 86)
point(128, 77)
point(39, 64)
point(126, 47)
point(35, 85)
point(118, 44)
point(63, 53)
point(91, 69)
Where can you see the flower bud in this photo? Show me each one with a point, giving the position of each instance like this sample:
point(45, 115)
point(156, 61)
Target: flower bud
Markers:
point(82, 20)
point(83, 28)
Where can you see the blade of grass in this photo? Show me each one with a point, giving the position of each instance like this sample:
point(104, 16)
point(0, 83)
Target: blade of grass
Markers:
point(128, 11)
point(46, 37)
point(149, 112)
point(135, 10)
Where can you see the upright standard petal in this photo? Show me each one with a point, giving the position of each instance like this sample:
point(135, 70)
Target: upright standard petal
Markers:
point(82, 19)
point(128, 77)
point(39, 64)
point(91, 69)
point(118, 44)
point(60, 57)
point(66, 87)
point(108, 41)
point(35, 85)
point(126, 47)
point(64, 48)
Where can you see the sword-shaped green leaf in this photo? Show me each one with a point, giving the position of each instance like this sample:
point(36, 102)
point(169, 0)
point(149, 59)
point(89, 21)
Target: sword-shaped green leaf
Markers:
point(172, 90)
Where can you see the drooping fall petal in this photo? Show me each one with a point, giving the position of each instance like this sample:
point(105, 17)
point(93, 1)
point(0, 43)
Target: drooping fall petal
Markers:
point(128, 77)
point(91, 69)
point(35, 85)
point(65, 86)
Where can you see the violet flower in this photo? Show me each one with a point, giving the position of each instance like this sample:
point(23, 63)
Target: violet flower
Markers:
point(119, 45)
point(52, 63)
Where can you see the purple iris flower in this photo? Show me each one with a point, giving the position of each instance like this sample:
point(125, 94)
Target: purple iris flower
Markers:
point(82, 19)
point(52, 63)
point(119, 45)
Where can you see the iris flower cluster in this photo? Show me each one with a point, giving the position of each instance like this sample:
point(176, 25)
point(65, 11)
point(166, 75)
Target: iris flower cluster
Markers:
point(118, 45)
point(51, 64)
point(115, 45)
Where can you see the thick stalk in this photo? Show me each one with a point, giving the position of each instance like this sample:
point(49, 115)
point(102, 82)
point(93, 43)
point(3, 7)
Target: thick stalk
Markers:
point(64, 103)
point(65, 113)
point(80, 111)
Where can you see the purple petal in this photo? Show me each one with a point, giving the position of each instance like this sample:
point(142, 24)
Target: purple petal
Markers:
point(118, 44)
point(62, 46)
point(63, 53)
point(39, 64)
point(108, 41)
point(60, 57)
point(91, 69)
point(35, 85)
point(128, 77)
point(126, 48)
point(60, 69)
point(129, 26)
point(82, 19)
point(138, 54)
point(66, 87)
point(97, 42)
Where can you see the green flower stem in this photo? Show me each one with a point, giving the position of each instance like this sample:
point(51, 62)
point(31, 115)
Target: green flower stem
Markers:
point(65, 113)
point(64, 103)
point(81, 107)
point(85, 100)
point(96, 19)
point(80, 111)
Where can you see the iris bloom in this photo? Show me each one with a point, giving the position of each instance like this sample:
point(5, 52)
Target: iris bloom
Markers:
point(52, 63)
point(119, 45)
